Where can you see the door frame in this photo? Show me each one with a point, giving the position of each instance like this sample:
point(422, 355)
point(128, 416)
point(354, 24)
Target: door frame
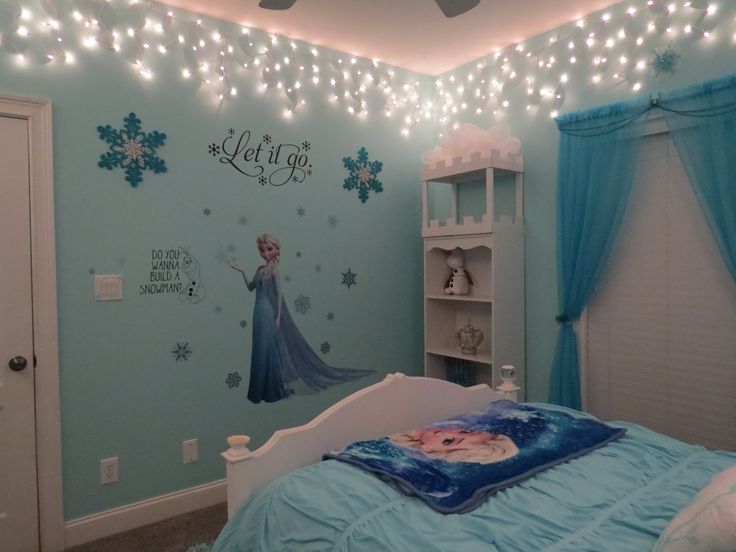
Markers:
point(46, 342)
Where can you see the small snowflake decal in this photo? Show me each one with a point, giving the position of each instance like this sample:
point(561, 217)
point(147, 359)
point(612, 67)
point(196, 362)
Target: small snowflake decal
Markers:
point(302, 304)
point(181, 351)
point(301, 212)
point(318, 268)
point(306, 146)
point(332, 221)
point(206, 211)
point(298, 254)
point(222, 255)
point(243, 323)
point(91, 270)
point(214, 150)
point(231, 132)
point(349, 278)
point(664, 61)
point(362, 174)
point(287, 278)
point(295, 179)
point(309, 172)
point(262, 180)
point(330, 316)
point(233, 380)
point(325, 348)
point(132, 150)
point(218, 309)
point(267, 139)
point(242, 220)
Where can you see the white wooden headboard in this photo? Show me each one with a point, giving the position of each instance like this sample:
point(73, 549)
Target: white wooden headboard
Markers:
point(394, 404)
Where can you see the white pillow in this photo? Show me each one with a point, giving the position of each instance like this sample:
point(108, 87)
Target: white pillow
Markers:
point(708, 524)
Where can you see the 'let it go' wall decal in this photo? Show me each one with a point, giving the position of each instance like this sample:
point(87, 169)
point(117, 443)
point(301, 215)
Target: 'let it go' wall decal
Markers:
point(271, 163)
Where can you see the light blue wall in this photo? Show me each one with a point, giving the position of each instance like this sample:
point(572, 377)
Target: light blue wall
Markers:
point(700, 59)
point(122, 392)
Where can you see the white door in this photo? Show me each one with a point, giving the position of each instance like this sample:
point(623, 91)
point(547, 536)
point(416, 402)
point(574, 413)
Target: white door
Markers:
point(18, 484)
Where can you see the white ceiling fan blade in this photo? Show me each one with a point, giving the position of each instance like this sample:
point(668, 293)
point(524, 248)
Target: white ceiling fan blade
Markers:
point(276, 4)
point(452, 8)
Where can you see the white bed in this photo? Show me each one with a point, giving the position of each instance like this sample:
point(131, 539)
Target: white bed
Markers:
point(413, 401)
point(281, 497)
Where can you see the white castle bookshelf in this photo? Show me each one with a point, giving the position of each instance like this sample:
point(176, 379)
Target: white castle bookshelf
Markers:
point(493, 245)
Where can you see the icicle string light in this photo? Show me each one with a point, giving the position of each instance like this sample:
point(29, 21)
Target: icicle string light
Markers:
point(605, 49)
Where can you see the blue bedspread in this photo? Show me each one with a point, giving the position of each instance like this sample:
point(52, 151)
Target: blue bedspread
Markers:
point(453, 465)
point(617, 498)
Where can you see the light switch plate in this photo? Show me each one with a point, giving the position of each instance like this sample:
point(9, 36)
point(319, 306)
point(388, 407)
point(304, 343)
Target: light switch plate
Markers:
point(108, 287)
point(189, 451)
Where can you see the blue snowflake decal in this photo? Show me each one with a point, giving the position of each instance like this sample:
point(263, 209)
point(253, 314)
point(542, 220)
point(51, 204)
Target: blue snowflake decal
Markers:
point(218, 309)
point(181, 351)
point(330, 316)
point(332, 221)
point(242, 220)
point(206, 211)
point(664, 60)
point(301, 211)
point(233, 380)
point(302, 304)
point(349, 278)
point(325, 348)
point(362, 174)
point(132, 150)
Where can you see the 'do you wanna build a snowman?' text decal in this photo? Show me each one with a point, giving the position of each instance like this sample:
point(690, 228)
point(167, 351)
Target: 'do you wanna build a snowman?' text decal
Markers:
point(174, 271)
point(264, 160)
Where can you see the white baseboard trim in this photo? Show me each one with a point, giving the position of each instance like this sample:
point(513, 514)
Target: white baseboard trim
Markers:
point(123, 518)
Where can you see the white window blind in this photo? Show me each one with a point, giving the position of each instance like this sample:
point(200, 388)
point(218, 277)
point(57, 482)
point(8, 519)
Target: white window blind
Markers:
point(659, 343)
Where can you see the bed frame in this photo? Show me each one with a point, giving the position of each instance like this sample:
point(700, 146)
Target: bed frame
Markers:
point(394, 404)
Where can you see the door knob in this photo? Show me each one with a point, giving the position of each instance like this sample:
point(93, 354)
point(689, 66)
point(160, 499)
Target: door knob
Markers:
point(17, 364)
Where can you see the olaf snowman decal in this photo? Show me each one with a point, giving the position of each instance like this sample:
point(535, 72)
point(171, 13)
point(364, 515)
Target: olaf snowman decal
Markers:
point(460, 281)
point(193, 290)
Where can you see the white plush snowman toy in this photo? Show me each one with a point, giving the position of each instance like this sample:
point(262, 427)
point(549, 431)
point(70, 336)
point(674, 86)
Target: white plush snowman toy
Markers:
point(459, 282)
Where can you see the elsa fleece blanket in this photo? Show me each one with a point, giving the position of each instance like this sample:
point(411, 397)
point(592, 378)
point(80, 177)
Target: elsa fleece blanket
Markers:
point(455, 464)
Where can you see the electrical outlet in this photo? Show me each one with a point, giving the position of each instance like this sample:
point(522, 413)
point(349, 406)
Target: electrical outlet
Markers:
point(109, 470)
point(189, 451)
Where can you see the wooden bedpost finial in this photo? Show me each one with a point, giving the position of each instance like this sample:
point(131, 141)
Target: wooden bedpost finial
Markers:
point(238, 445)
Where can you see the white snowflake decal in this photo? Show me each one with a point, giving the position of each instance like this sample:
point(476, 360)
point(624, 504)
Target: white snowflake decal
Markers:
point(521, 415)
point(362, 174)
point(132, 150)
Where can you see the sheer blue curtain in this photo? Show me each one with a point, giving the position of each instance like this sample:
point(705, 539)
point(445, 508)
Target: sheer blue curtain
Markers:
point(702, 122)
point(597, 159)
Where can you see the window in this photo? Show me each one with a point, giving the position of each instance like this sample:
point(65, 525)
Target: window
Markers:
point(658, 344)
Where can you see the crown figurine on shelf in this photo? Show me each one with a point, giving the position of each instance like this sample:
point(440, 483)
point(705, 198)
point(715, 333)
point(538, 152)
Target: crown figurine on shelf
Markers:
point(468, 338)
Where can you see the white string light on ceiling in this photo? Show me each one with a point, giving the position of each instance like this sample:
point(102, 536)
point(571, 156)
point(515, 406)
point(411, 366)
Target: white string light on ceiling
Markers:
point(606, 49)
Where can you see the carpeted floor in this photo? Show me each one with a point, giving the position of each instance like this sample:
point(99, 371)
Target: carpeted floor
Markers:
point(176, 534)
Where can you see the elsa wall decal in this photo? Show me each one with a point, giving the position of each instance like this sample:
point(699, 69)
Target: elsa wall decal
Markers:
point(282, 362)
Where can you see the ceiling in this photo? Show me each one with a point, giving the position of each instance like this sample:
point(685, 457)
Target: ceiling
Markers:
point(413, 34)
